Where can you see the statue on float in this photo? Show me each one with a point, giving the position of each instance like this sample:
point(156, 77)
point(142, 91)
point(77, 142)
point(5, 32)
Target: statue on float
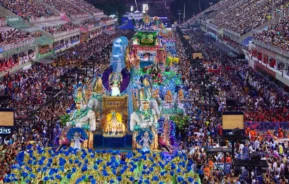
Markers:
point(132, 59)
point(143, 123)
point(87, 97)
point(94, 101)
point(153, 101)
point(83, 116)
point(114, 126)
point(147, 24)
point(116, 78)
point(115, 82)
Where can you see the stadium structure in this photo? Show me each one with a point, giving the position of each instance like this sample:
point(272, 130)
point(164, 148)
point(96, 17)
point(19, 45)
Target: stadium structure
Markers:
point(252, 28)
point(61, 25)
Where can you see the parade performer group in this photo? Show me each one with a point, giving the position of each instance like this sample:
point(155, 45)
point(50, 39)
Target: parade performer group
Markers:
point(98, 108)
point(88, 166)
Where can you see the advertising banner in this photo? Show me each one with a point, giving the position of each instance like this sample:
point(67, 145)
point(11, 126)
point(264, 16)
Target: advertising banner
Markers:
point(6, 121)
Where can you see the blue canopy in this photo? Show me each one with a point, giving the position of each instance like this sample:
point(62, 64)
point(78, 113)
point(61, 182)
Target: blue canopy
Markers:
point(246, 41)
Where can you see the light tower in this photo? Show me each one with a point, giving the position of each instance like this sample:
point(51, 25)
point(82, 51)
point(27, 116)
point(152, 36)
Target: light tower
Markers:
point(180, 14)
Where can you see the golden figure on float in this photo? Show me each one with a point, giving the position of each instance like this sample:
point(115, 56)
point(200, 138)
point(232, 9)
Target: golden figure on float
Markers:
point(114, 125)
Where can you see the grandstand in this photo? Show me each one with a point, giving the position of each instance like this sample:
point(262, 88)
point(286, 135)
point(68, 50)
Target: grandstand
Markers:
point(257, 28)
point(37, 30)
point(59, 68)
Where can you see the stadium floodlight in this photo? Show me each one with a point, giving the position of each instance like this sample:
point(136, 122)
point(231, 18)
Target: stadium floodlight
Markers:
point(131, 8)
point(145, 8)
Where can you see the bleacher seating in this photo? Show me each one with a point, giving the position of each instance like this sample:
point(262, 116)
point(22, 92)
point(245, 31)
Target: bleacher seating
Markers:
point(86, 6)
point(13, 36)
point(90, 22)
point(241, 16)
point(29, 10)
point(66, 7)
point(61, 28)
point(276, 35)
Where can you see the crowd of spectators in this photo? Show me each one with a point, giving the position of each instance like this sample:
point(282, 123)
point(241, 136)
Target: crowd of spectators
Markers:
point(28, 9)
point(260, 99)
point(241, 16)
point(236, 80)
point(215, 7)
point(276, 35)
point(19, 59)
point(66, 7)
point(86, 6)
point(36, 34)
point(95, 33)
point(245, 15)
point(14, 36)
point(28, 90)
point(90, 22)
point(231, 43)
point(61, 28)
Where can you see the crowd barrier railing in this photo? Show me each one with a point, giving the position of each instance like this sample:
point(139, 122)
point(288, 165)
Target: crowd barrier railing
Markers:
point(232, 32)
point(77, 30)
point(79, 15)
point(220, 166)
point(264, 126)
point(21, 43)
point(98, 13)
point(271, 47)
point(44, 19)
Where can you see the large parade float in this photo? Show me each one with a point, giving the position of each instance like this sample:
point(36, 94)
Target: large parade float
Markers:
point(129, 106)
point(127, 109)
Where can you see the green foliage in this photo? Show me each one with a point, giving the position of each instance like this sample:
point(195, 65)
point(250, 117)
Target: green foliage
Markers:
point(64, 119)
point(181, 121)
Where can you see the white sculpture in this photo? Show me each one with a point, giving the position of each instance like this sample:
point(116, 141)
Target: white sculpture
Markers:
point(155, 106)
point(144, 122)
point(77, 140)
point(146, 142)
point(94, 103)
point(83, 117)
point(145, 117)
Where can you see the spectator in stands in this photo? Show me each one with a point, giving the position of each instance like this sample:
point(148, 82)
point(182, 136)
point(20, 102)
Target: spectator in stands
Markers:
point(28, 9)
point(61, 28)
point(69, 8)
point(276, 35)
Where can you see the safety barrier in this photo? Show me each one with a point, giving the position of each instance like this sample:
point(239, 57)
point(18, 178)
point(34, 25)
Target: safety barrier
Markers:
point(271, 47)
point(264, 126)
point(44, 19)
point(79, 15)
point(21, 43)
point(76, 30)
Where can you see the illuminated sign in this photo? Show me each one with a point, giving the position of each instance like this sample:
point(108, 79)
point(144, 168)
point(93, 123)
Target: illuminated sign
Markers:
point(5, 131)
point(6, 121)
point(145, 8)
point(232, 120)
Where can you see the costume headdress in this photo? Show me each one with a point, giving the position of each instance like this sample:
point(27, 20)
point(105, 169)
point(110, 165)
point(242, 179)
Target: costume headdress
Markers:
point(144, 94)
point(146, 83)
point(98, 86)
point(78, 97)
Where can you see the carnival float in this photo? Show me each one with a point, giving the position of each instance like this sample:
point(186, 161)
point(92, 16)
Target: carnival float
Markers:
point(129, 106)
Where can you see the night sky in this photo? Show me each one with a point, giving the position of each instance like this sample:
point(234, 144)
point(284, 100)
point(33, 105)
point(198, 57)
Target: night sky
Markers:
point(192, 6)
point(119, 7)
